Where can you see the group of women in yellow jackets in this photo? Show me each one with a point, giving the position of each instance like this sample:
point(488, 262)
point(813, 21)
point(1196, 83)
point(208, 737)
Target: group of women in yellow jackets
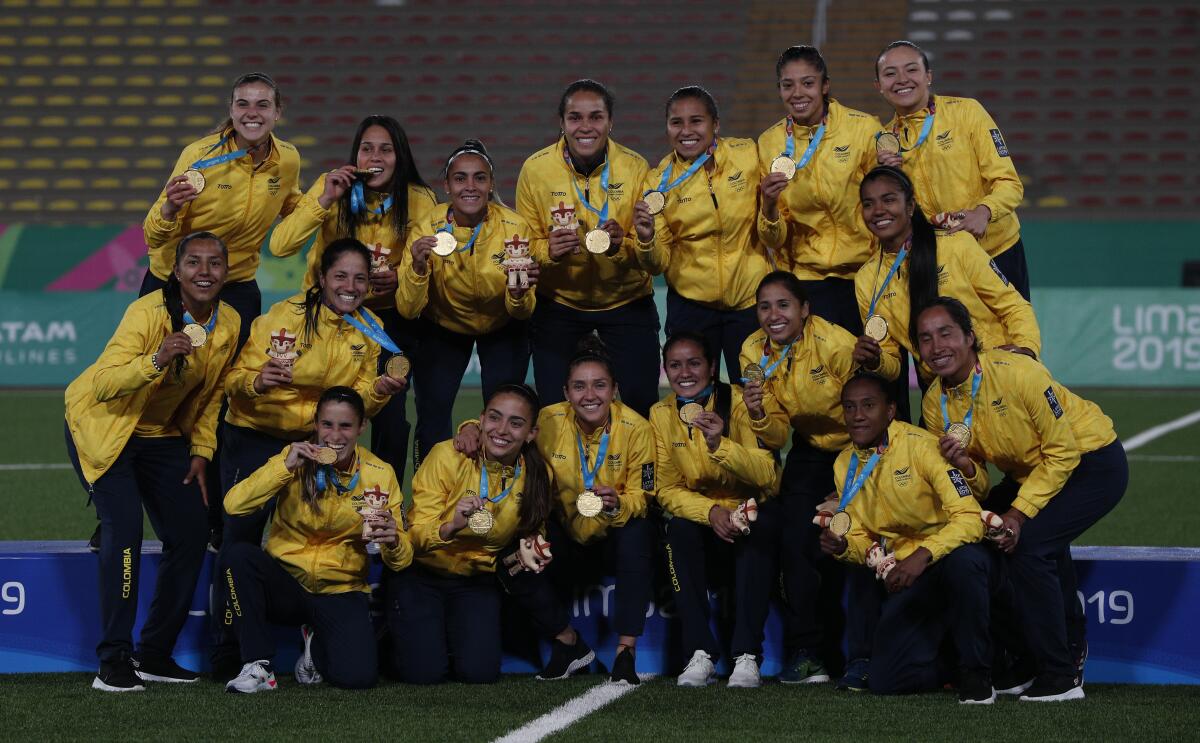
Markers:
point(774, 256)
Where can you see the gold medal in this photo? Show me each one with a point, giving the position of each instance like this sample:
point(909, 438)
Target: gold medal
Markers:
point(876, 327)
point(597, 241)
point(446, 244)
point(784, 164)
point(840, 524)
point(589, 504)
point(195, 179)
point(960, 432)
point(507, 473)
point(196, 334)
point(368, 172)
point(689, 411)
point(397, 367)
point(656, 200)
point(481, 522)
point(754, 373)
point(887, 142)
point(325, 455)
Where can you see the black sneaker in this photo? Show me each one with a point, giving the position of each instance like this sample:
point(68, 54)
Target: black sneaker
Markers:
point(975, 688)
point(155, 668)
point(119, 675)
point(856, 677)
point(623, 668)
point(94, 542)
point(225, 661)
point(1079, 655)
point(214, 541)
point(1049, 688)
point(566, 660)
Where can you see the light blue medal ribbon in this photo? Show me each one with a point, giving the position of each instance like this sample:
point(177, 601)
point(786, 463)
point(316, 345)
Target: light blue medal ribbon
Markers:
point(371, 329)
point(854, 484)
point(790, 145)
point(212, 320)
point(702, 395)
point(209, 162)
point(900, 256)
point(925, 129)
point(664, 187)
point(977, 377)
point(327, 474)
point(449, 227)
point(768, 370)
point(589, 475)
point(483, 484)
point(602, 212)
point(358, 200)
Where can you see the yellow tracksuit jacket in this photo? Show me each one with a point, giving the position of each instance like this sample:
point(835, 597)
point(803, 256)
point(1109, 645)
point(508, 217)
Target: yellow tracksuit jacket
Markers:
point(912, 499)
point(691, 480)
point(468, 291)
point(819, 232)
point(442, 480)
point(963, 163)
point(805, 392)
point(546, 197)
point(706, 241)
point(239, 204)
point(375, 231)
point(337, 353)
point(628, 465)
point(1024, 422)
point(999, 314)
point(122, 395)
point(324, 550)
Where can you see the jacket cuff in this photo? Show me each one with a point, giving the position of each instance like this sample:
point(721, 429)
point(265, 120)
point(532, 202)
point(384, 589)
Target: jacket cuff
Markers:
point(202, 451)
point(1025, 507)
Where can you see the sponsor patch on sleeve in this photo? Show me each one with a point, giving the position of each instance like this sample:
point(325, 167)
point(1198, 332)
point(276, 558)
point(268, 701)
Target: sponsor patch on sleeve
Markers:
point(959, 481)
point(1052, 401)
point(998, 272)
point(648, 477)
point(998, 140)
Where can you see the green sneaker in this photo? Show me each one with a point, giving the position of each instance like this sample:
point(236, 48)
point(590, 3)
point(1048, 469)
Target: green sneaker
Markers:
point(803, 668)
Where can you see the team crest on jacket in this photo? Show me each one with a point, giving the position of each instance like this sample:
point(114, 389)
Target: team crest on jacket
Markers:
point(944, 140)
point(902, 477)
point(819, 375)
point(273, 185)
point(842, 154)
point(999, 407)
point(283, 347)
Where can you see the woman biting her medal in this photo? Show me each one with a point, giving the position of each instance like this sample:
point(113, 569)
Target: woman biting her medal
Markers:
point(715, 481)
point(578, 196)
point(901, 510)
point(794, 367)
point(956, 157)
point(445, 611)
point(141, 429)
point(1064, 470)
point(698, 225)
point(313, 571)
point(912, 264)
point(460, 277)
point(375, 200)
point(234, 182)
point(296, 350)
point(813, 160)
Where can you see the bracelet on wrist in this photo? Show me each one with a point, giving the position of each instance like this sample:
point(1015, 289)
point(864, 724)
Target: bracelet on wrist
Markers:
point(154, 362)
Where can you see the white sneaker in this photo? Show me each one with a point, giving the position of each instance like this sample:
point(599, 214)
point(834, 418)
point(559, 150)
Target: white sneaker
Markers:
point(699, 671)
point(745, 672)
point(306, 671)
point(255, 676)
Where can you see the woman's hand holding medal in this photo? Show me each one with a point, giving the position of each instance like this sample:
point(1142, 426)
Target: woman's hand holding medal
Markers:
point(867, 352)
point(301, 450)
point(955, 452)
point(711, 426)
point(179, 192)
point(337, 182)
point(172, 347)
point(752, 396)
point(421, 248)
point(770, 189)
point(385, 385)
point(643, 221)
point(466, 506)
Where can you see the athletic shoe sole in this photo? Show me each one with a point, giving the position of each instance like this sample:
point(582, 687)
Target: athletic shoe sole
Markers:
point(572, 667)
point(818, 679)
point(742, 685)
point(101, 686)
point(989, 700)
point(1016, 690)
point(1066, 696)
point(164, 679)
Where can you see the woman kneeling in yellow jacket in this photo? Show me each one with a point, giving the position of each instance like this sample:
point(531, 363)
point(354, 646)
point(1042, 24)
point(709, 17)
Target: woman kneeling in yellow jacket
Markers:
point(334, 498)
point(139, 420)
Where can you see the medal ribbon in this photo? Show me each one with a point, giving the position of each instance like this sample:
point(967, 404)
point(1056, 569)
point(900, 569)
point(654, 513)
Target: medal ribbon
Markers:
point(790, 146)
point(925, 128)
point(854, 484)
point(212, 320)
point(663, 186)
point(892, 272)
point(209, 162)
point(769, 370)
point(977, 377)
point(358, 200)
point(703, 395)
point(483, 484)
point(326, 474)
point(449, 227)
point(372, 330)
point(589, 476)
point(602, 212)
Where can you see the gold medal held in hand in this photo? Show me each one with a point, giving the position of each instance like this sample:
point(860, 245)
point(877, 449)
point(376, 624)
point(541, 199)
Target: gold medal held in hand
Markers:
point(589, 504)
point(960, 432)
point(397, 367)
point(195, 179)
point(876, 327)
point(597, 241)
point(840, 524)
point(689, 411)
point(367, 172)
point(445, 244)
point(481, 522)
point(754, 373)
point(325, 455)
point(656, 200)
point(886, 142)
point(784, 164)
point(196, 334)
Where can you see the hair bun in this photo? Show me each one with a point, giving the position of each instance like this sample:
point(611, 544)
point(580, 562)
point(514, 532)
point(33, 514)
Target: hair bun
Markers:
point(591, 345)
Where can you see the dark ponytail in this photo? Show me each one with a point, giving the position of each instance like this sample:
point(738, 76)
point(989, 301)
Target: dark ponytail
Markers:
point(538, 497)
point(307, 472)
point(591, 349)
point(311, 304)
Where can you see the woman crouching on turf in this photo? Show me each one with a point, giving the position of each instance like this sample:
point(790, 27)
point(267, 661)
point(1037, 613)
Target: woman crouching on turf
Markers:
point(140, 420)
point(467, 511)
point(714, 480)
point(313, 572)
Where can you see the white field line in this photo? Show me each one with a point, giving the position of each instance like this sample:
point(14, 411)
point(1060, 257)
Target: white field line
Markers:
point(1150, 434)
point(25, 467)
point(1164, 458)
point(570, 712)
